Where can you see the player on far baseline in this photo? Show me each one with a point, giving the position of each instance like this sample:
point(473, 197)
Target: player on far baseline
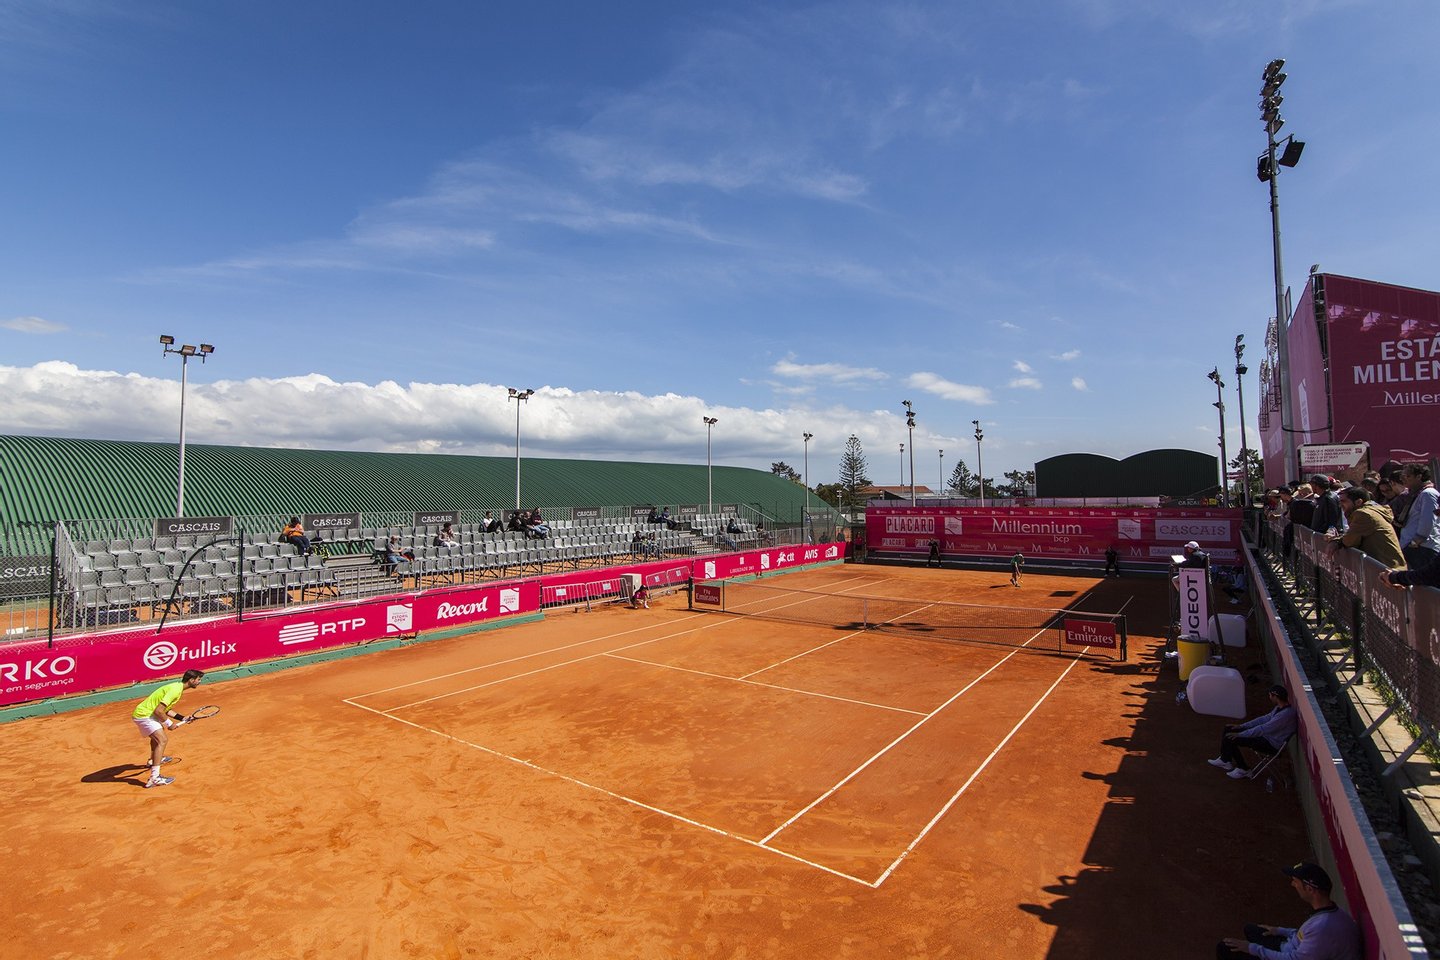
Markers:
point(1017, 564)
point(153, 716)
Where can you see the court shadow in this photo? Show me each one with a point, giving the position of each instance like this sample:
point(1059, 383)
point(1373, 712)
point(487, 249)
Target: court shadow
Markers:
point(130, 774)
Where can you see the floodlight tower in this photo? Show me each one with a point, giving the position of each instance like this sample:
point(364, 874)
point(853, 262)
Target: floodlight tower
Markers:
point(979, 460)
point(1220, 405)
point(909, 425)
point(1240, 371)
point(519, 396)
point(709, 475)
point(184, 352)
point(1267, 168)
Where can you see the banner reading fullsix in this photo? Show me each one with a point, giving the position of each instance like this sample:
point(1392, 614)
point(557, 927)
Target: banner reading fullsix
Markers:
point(1074, 533)
point(31, 671)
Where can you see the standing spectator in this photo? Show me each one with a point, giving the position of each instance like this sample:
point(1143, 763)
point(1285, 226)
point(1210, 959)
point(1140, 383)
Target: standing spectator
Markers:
point(1327, 506)
point(1327, 934)
point(1265, 734)
point(1420, 537)
point(294, 534)
point(1427, 576)
point(1368, 528)
point(1400, 498)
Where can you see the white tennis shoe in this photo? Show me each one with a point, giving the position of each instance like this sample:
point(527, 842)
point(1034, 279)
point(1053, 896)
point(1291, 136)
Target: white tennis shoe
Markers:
point(1225, 765)
point(1238, 774)
point(158, 782)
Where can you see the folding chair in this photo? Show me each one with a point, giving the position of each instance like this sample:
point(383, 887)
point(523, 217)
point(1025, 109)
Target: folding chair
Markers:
point(1263, 767)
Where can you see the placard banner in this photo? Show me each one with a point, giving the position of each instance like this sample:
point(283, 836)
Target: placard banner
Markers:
point(194, 526)
point(1138, 535)
point(730, 508)
point(688, 509)
point(751, 562)
point(1091, 633)
point(323, 522)
point(426, 518)
point(639, 512)
point(585, 513)
point(31, 671)
point(708, 594)
point(1194, 601)
point(26, 576)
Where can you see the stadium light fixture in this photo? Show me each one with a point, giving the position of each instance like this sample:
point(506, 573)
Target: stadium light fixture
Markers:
point(979, 460)
point(1224, 457)
point(807, 437)
point(943, 487)
point(1240, 371)
point(519, 396)
point(709, 469)
point(184, 352)
point(1267, 168)
point(909, 425)
point(902, 464)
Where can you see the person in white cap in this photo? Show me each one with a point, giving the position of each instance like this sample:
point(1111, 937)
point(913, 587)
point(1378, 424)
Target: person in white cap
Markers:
point(1194, 556)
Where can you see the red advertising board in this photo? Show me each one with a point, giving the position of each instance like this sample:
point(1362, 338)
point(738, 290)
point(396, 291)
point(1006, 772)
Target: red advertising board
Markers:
point(1091, 633)
point(1079, 533)
point(30, 670)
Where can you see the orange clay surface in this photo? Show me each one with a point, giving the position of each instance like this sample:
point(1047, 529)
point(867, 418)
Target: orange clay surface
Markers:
point(661, 783)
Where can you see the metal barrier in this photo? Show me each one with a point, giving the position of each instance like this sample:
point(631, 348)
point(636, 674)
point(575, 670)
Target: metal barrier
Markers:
point(1341, 596)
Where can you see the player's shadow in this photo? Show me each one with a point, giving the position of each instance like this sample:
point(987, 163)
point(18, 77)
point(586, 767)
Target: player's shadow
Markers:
point(130, 774)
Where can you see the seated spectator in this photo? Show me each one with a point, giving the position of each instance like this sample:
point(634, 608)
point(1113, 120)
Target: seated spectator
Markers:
point(652, 547)
point(1265, 734)
point(733, 526)
point(637, 545)
point(489, 524)
point(762, 535)
point(655, 516)
point(1327, 514)
point(535, 525)
point(446, 538)
point(725, 540)
point(1233, 582)
point(1420, 536)
point(1368, 528)
point(390, 555)
point(294, 534)
point(517, 522)
point(1327, 933)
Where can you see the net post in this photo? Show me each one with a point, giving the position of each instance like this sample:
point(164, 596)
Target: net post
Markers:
point(1124, 640)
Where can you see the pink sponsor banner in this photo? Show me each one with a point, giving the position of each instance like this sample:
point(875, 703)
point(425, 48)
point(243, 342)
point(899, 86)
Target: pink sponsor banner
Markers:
point(31, 671)
point(1079, 533)
point(1091, 633)
point(1310, 402)
point(724, 566)
point(1384, 368)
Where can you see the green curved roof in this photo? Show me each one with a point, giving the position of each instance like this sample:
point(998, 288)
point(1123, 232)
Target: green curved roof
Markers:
point(52, 478)
point(1151, 473)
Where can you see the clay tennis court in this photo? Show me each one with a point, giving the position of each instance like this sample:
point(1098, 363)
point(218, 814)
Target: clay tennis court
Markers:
point(660, 783)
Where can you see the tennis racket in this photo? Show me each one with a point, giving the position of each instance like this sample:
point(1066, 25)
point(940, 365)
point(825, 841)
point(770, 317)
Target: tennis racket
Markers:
point(202, 713)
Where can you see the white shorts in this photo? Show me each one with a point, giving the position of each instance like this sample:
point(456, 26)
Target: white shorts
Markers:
point(147, 726)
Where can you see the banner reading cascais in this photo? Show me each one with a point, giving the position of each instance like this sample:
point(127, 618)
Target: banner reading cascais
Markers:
point(1080, 533)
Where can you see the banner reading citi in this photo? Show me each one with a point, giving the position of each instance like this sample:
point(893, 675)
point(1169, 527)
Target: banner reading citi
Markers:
point(1078, 533)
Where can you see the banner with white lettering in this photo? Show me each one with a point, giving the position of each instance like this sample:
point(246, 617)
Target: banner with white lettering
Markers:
point(1138, 535)
point(1194, 601)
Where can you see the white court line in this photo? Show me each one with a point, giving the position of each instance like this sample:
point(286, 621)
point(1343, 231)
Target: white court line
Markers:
point(568, 646)
point(565, 663)
point(893, 743)
point(620, 796)
point(757, 683)
point(978, 770)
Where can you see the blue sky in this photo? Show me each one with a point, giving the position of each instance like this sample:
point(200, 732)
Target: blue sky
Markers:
point(787, 216)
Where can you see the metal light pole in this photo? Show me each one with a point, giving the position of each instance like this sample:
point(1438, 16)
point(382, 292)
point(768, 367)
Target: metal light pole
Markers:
point(902, 464)
point(808, 438)
point(185, 352)
point(979, 460)
point(943, 489)
point(1240, 371)
point(709, 474)
point(1220, 405)
point(1268, 169)
point(519, 396)
point(910, 425)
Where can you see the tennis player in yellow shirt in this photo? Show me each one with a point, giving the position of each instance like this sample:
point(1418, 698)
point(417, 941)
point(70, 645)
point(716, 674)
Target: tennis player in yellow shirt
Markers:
point(154, 716)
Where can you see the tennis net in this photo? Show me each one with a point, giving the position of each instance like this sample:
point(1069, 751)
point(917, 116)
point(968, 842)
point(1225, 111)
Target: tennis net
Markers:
point(1100, 634)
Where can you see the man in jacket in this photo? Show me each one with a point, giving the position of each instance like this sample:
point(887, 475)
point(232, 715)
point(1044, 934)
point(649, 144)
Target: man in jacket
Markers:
point(1369, 528)
point(1265, 734)
point(1327, 506)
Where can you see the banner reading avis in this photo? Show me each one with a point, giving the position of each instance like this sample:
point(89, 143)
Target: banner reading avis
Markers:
point(1071, 533)
point(31, 671)
point(726, 565)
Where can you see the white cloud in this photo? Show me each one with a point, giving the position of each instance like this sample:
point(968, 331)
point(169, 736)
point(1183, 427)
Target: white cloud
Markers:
point(1025, 383)
point(1067, 356)
point(1079, 383)
point(1023, 367)
point(830, 372)
point(947, 389)
point(34, 325)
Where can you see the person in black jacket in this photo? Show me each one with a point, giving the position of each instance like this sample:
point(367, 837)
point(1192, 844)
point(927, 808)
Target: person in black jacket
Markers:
point(1426, 576)
point(1327, 506)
